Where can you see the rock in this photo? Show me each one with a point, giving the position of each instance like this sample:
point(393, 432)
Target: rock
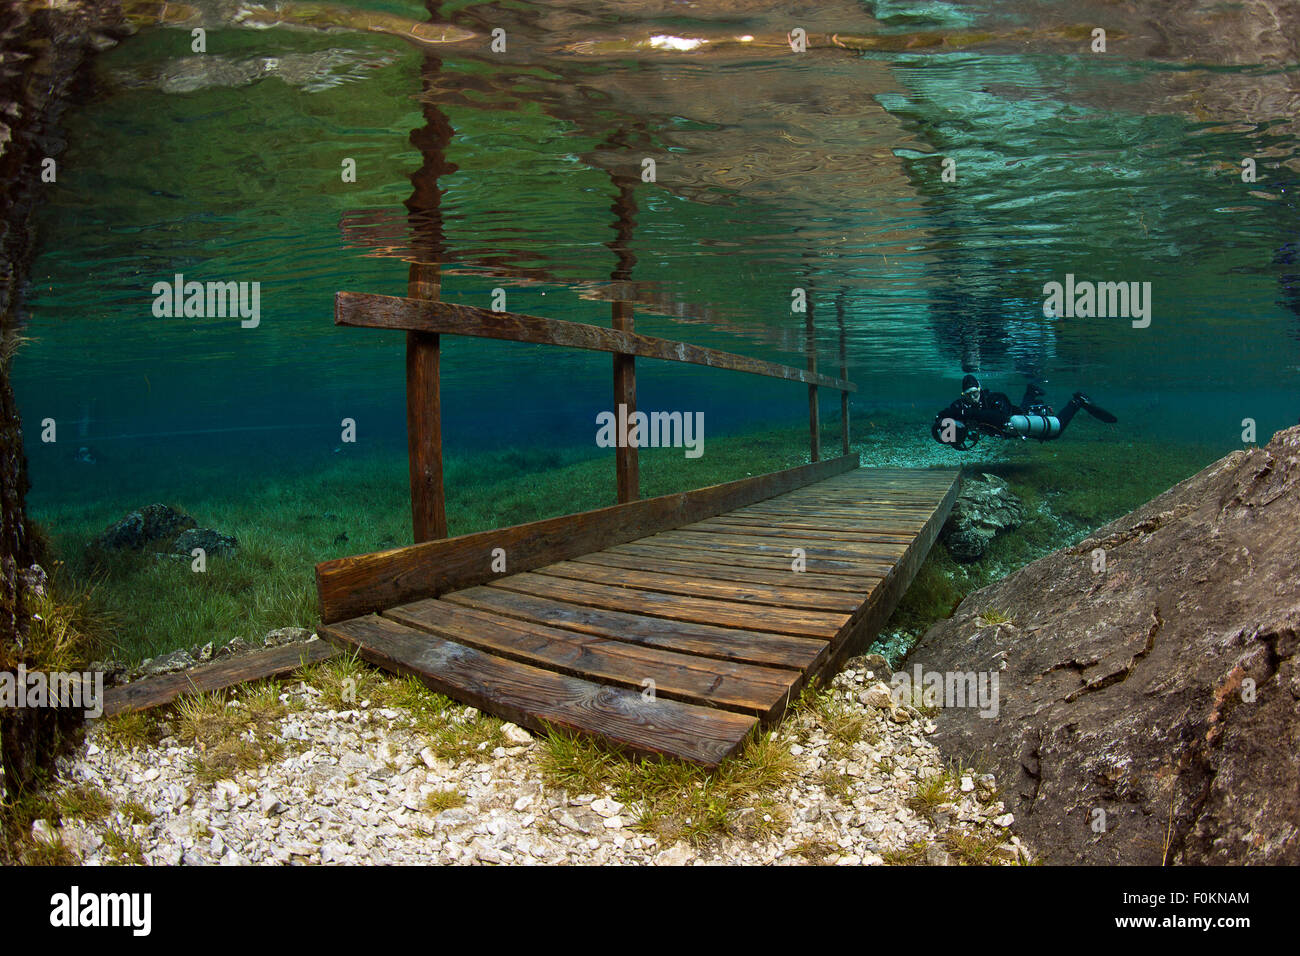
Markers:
point(271, 806)
point(43, 832)
point(679, 854)
point(150, 525)
point(937, 856)
point(877, 696)
point(287, 635)
point(167, 663)
point(985, 508)
point(212, 542)
point(34, 580)
point(237, 646)
point(516, 735)
point(1157, 693)
point(877, 664)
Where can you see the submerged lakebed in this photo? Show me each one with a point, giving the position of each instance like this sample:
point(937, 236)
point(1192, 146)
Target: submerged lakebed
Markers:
point(925, 191)
point(310, 511)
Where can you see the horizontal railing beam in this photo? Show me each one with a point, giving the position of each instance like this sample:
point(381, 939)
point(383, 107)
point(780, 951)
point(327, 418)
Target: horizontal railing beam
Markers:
point(445, 318)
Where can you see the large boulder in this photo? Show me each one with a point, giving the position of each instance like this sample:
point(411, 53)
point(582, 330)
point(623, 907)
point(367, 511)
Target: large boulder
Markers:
point(985, 508)
point(1149, 704)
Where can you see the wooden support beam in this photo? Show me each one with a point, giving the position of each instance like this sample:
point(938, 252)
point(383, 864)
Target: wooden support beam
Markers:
point(424, 415)
point(388, 312)
point(814, 409)
point(627, 464)
point(366, 583)
point(844, 373)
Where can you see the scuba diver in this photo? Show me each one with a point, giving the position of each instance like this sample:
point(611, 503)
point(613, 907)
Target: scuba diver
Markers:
point(991, 413)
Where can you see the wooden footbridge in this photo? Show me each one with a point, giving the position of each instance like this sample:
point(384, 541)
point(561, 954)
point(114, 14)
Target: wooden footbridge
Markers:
point(671, 625)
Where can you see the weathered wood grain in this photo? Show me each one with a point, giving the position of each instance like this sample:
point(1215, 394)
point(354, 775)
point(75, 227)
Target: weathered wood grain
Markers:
point(540, 699)
point(687, 677)
point(748, 592)
point(237, 669)
point(748, 558)
point(389, 312)
point(732, 572)
point(798, 623)
point(706, 640)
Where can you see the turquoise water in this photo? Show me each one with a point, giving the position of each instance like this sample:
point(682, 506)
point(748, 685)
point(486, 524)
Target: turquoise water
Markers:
point(774, 170)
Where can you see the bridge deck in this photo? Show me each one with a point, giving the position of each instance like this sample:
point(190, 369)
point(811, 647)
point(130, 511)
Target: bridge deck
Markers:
point(680, 642)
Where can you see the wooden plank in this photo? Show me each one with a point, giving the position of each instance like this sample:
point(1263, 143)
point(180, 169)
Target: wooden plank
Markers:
point(748, 558)
point(349, 587)
point(732, 572)
point(799, 623)
point(218, 675)
point(725, 525)
point(858, 633)
point(814, 524)
point(388, 312)
point(540, 699)
point(696, 680)
point(706, 640)
point(811, 545)
point(747, 592)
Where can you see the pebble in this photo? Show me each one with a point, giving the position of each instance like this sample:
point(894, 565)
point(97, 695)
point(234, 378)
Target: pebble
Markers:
point(353, 787)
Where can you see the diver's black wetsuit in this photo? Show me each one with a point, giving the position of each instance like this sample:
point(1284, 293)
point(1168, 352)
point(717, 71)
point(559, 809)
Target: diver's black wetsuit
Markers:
point(992, 412)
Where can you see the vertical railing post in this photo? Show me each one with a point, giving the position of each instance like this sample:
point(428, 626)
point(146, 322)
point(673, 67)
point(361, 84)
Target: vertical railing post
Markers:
point(844, 371)
point(424, 281)
point(424, 414)
point(627, 464)
point(814, 412)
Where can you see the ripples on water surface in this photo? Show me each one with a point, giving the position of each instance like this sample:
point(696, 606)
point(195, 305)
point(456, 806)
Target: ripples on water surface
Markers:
point(774, 170)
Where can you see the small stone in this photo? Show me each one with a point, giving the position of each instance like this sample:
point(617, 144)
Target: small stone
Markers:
point(679, 854)
point(877, 696)
point(937, 856)
point(287, 635)
point(167, 663)
point(1005, 820)
point(967, 784)
point(516, 735)
point(43, 832)
point(271, 806)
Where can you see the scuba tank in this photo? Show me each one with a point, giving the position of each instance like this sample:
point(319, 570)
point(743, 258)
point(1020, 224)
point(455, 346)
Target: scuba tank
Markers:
point(1034, 425)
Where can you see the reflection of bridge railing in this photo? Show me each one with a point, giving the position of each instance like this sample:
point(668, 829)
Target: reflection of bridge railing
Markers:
point(425, 319)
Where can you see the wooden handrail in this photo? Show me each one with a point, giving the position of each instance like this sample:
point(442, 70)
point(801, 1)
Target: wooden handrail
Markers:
point(415, 315)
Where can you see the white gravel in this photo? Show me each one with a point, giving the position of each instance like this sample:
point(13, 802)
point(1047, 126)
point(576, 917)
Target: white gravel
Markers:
point(353, 786)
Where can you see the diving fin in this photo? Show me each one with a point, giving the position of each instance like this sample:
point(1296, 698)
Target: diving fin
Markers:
point(1098, 413)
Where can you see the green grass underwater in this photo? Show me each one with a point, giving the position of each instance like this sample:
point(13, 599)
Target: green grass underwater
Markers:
point(288, 522)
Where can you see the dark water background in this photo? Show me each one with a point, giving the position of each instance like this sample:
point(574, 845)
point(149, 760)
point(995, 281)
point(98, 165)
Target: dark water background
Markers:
point(775, 170)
